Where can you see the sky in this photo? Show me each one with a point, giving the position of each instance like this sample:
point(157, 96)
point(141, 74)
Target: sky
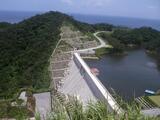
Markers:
point(149, 9)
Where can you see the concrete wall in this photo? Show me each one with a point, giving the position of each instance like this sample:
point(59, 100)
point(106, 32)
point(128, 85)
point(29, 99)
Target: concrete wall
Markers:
point(100, 92)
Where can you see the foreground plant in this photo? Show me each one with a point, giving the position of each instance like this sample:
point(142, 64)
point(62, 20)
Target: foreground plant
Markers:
point(72, 109)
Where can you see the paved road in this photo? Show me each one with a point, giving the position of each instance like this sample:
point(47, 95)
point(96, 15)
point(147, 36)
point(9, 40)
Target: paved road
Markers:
point(91, 50)
point(43, 104)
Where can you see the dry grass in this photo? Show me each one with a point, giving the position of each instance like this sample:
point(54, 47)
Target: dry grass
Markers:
point(155, 99)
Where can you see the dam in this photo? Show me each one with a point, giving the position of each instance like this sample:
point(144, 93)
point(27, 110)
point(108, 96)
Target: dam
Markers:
point(71, 76)
point(80, 82)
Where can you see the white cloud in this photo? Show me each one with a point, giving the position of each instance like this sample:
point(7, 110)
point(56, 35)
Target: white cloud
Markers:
point(69, 2)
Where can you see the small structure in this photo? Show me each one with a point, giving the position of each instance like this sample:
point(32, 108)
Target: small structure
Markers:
point(22, 100)
point(95, 71)
point(23, 97)
point(151, 112)
point(149, 92)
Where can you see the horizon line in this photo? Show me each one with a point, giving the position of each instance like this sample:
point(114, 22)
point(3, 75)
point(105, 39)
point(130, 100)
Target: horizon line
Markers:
point(72, 13)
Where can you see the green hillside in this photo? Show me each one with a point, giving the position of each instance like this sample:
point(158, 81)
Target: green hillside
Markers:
point(25, 49)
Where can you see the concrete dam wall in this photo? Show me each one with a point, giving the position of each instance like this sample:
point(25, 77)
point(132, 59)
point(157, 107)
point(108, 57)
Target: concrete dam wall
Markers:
point(100, 92)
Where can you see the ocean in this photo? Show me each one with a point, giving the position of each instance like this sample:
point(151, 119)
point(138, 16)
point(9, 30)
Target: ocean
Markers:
point(119, 21)
point(14, 17)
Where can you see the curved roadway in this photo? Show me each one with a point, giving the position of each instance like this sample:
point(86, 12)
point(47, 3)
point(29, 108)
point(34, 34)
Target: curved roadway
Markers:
point(91, 50)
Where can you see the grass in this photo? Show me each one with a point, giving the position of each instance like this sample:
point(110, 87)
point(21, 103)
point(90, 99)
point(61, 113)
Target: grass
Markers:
point(37, 116)
point(66, 23)
point(8, 111)
point(155, 99)
point(101, 51)
point(72, 109)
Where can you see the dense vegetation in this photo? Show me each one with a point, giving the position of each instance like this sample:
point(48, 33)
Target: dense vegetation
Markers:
point(4, 25)
point(8, 111)
point(143, 37)
point(146, 37)
point(25, 49)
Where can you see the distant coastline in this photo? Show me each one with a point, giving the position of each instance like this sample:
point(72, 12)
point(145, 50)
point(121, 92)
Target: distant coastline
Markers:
point(118, 21)
point(14, 17)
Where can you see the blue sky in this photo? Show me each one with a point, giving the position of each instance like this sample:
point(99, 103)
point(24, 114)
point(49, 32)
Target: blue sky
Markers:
point(149, 9)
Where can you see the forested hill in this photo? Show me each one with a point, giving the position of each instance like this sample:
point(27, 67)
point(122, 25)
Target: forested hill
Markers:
point(25, 49)
point(144, 36)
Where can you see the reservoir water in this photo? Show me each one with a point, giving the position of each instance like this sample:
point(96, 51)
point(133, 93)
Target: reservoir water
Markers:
point(128, 75)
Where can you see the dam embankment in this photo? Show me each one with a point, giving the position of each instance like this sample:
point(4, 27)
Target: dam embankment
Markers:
point(99, 91)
